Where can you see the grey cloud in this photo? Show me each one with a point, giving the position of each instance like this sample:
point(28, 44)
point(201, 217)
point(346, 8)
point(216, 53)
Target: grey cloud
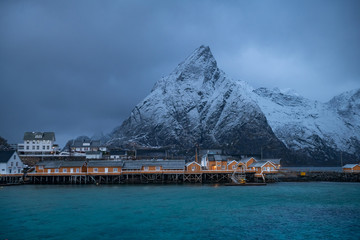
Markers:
point(79, 67)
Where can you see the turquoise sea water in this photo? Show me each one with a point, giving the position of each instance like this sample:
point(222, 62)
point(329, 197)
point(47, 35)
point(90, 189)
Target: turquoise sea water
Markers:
point(317, 210)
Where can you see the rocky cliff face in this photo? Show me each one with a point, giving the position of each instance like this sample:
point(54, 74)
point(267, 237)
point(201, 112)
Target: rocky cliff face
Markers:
point(199, 104)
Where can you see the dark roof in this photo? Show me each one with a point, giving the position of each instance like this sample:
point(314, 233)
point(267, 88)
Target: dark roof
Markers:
point(275, 161)
point(72, 163)
point(166, 164)
point(106, 163)
point(58, 164)
point(39, 136)
point(221, 157)
point(88, 143)
point(49, 164)
point(5, 156)
point(118, 152)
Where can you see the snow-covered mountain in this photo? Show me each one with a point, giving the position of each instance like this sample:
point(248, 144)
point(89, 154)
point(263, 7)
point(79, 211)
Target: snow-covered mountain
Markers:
point(199, 104)
point(311, 126)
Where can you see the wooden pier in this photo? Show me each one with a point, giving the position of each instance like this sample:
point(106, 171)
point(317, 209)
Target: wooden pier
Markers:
point(11, 179)
point(130, 177)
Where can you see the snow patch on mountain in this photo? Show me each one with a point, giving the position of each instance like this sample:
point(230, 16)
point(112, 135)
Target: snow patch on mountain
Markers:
point(296, 120)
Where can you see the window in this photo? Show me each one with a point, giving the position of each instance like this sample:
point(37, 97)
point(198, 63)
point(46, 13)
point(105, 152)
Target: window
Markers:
point(19, 170)
point(17, 163)
point(27, 141)
point(234, 166)
point(146, 168)
point(15, 157)
point(33, 141)
point(27, 147)
point(12, 164)
point(43, 147)
point(193, 168)
point(33, 147)
point(49, 170)
point(264, 168)
point(157, 168)
point(115, 170)
point(77, 170)
point(223, 167)
point(47, 147)
point(95, 170)
point(56, 170)
point(64, 170)
point(41, 167)
point(37, 147)
point(272, 168)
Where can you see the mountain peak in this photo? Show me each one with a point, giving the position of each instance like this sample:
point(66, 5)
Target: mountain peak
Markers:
point(200, 64)
point(202, 51)
point(200, 55)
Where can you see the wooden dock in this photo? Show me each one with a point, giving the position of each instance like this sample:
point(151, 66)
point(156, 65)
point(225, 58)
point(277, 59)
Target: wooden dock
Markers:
point(128, 177)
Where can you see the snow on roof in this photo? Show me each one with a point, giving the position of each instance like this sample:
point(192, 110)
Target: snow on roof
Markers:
point(105, 163)
point(188, 164)
point(39, 136)
point(260, 164)
point(350, 165)
point(58, 164)
point(275, 161)
point(229, 162)
point(166, 164)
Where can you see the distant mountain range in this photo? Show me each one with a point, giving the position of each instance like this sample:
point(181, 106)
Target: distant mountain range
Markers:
point(199, 104)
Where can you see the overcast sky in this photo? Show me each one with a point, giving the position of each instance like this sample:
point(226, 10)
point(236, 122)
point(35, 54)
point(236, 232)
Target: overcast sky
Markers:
point(79, 67)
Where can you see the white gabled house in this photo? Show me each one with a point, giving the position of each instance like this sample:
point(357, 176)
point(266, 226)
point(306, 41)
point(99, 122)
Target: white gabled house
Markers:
point(94, 155)
point(38, 143)
point(86, 145)
point(10, 163)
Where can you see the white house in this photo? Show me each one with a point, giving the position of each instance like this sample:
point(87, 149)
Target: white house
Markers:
point(84, 146)
point(94, 155)
point(38, 143)
point(10, 163)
